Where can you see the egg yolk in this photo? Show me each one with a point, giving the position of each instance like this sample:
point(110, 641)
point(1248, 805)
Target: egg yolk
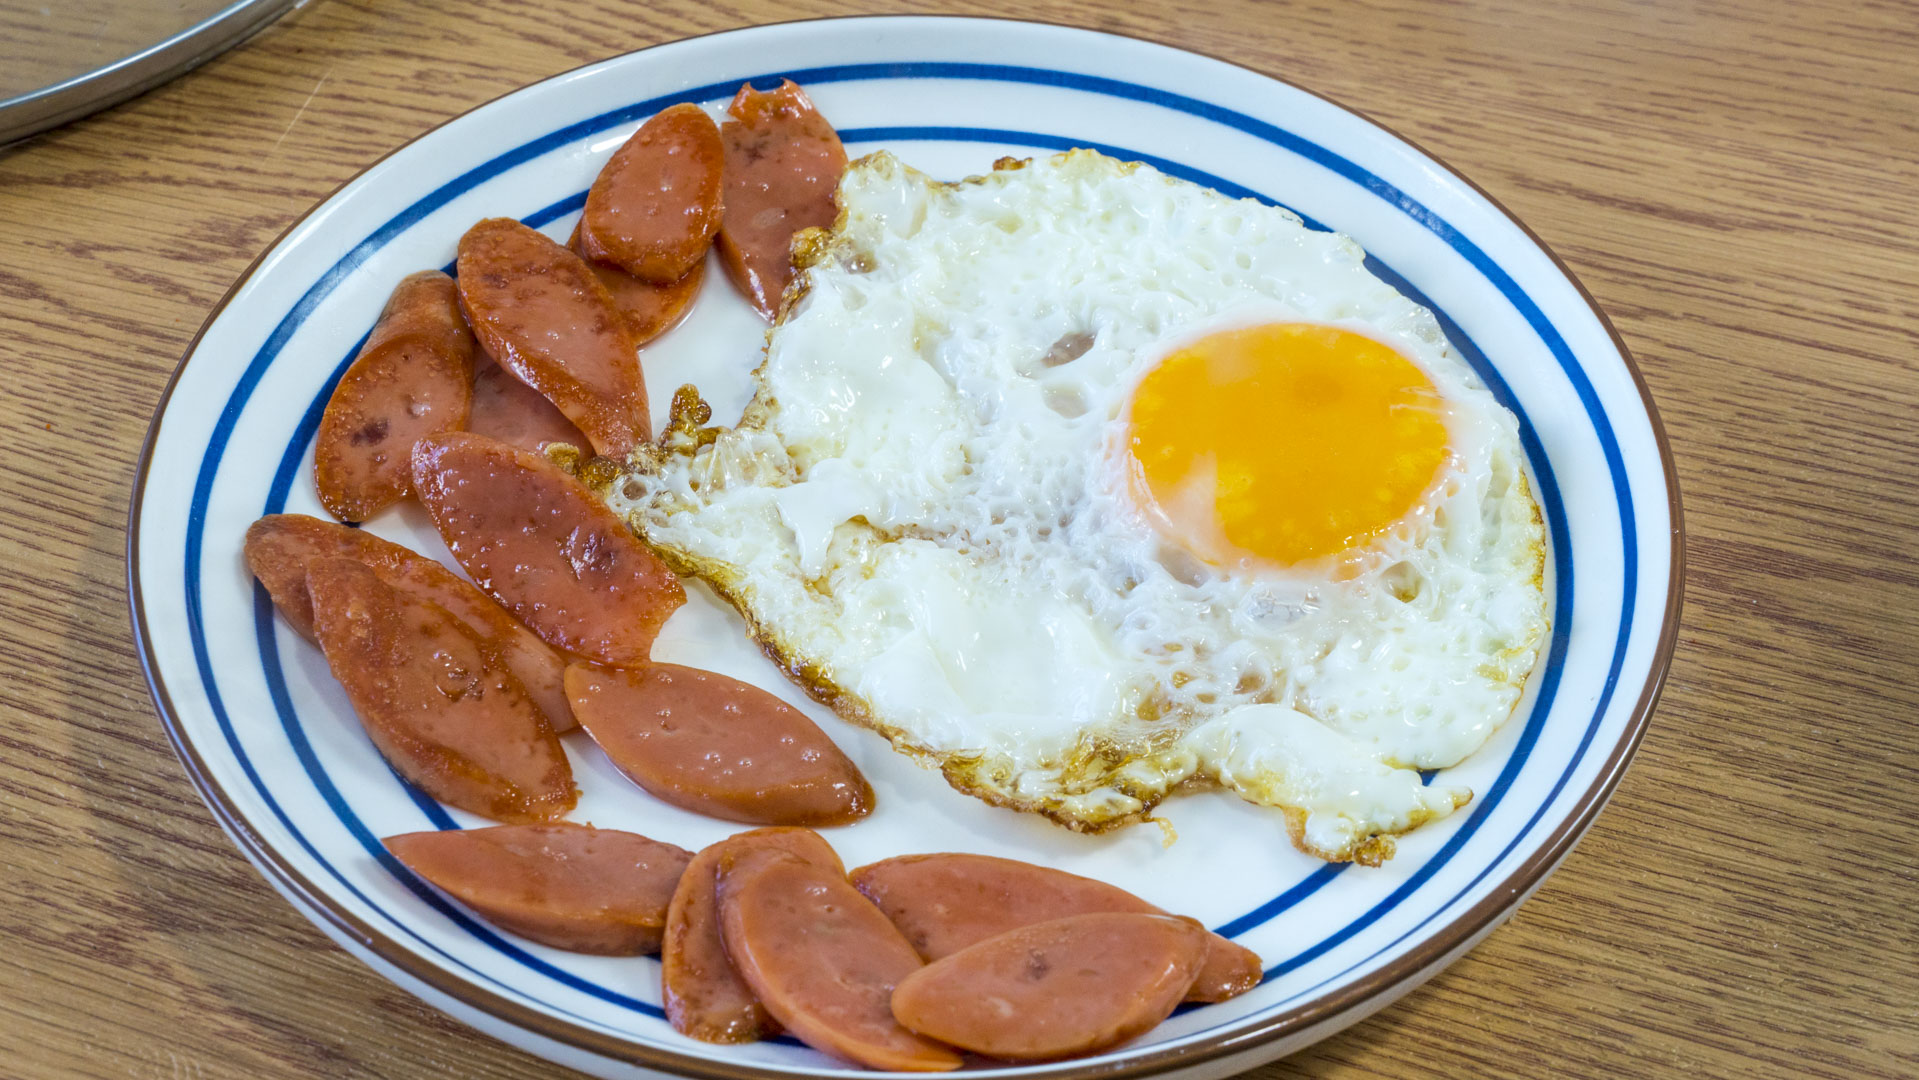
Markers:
point(1286, 442)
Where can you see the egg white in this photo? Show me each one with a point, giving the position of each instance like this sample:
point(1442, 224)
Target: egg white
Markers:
point(924, 513)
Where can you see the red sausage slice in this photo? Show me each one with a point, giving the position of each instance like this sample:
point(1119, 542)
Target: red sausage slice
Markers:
point(649, 309)
point(509, 410)
point(821, 960)
point(537, 540)
point(413, 377)
point(540, 311)
point(944, 903)
point(573, 887)
point(655, 206)
point(1058, 989)
point(435, 701)
point(705, 997)
point(280, 547)
point(717, 746)
point(783, 165)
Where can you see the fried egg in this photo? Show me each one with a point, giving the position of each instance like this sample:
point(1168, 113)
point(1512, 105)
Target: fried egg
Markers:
point(1081, 483)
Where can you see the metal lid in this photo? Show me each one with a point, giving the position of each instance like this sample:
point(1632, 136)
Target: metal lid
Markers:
point(63, 60)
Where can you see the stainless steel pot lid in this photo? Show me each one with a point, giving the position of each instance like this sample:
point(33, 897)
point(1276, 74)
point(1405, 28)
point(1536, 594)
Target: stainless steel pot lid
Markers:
point(63, 59)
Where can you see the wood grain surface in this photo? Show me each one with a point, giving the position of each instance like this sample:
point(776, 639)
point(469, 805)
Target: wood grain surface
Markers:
point(1738, 185)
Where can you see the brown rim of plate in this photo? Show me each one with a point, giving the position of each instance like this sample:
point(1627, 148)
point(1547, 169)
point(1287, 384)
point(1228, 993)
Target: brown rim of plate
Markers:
point(1479, 918)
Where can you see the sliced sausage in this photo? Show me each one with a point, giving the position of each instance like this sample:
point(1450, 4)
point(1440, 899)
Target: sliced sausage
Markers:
point(655, 206)
point(783, 165)
point(1056, 989)
point(649, 309)
point(413, 377)
point(509, 410)
point(821, 959)
point(1230, 970)
point(570, 886)
point(543, 315)
point(944, 903)
point(705, 997)
point(445, 712)
point(717, 746)
point(280, 547)
point(538, 541)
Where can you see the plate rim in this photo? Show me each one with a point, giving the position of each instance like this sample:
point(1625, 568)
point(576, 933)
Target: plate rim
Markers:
point(1414, 964)
point(108, 84)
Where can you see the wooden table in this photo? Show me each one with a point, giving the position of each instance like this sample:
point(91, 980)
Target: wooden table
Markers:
point(1737, 184)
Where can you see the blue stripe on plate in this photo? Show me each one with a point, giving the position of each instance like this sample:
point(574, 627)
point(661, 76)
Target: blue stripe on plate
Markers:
point(413, 214)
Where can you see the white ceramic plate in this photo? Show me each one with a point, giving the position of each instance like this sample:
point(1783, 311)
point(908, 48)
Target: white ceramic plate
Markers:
point(272, 744)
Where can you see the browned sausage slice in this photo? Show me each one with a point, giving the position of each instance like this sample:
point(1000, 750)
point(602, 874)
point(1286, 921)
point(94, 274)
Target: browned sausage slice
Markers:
point(821, 959)
point(538, 541)
point(783, 165)
point(655, 206)
point(717, 746)
point(1056, 989)
point(649, 309)
point(1230, 970)
point(944, 903)
point(705, 997)
point(280, 547)
point(413, 377)
point(570, 886)
point(509, 410)
point(542, 313)
point(445, 712)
